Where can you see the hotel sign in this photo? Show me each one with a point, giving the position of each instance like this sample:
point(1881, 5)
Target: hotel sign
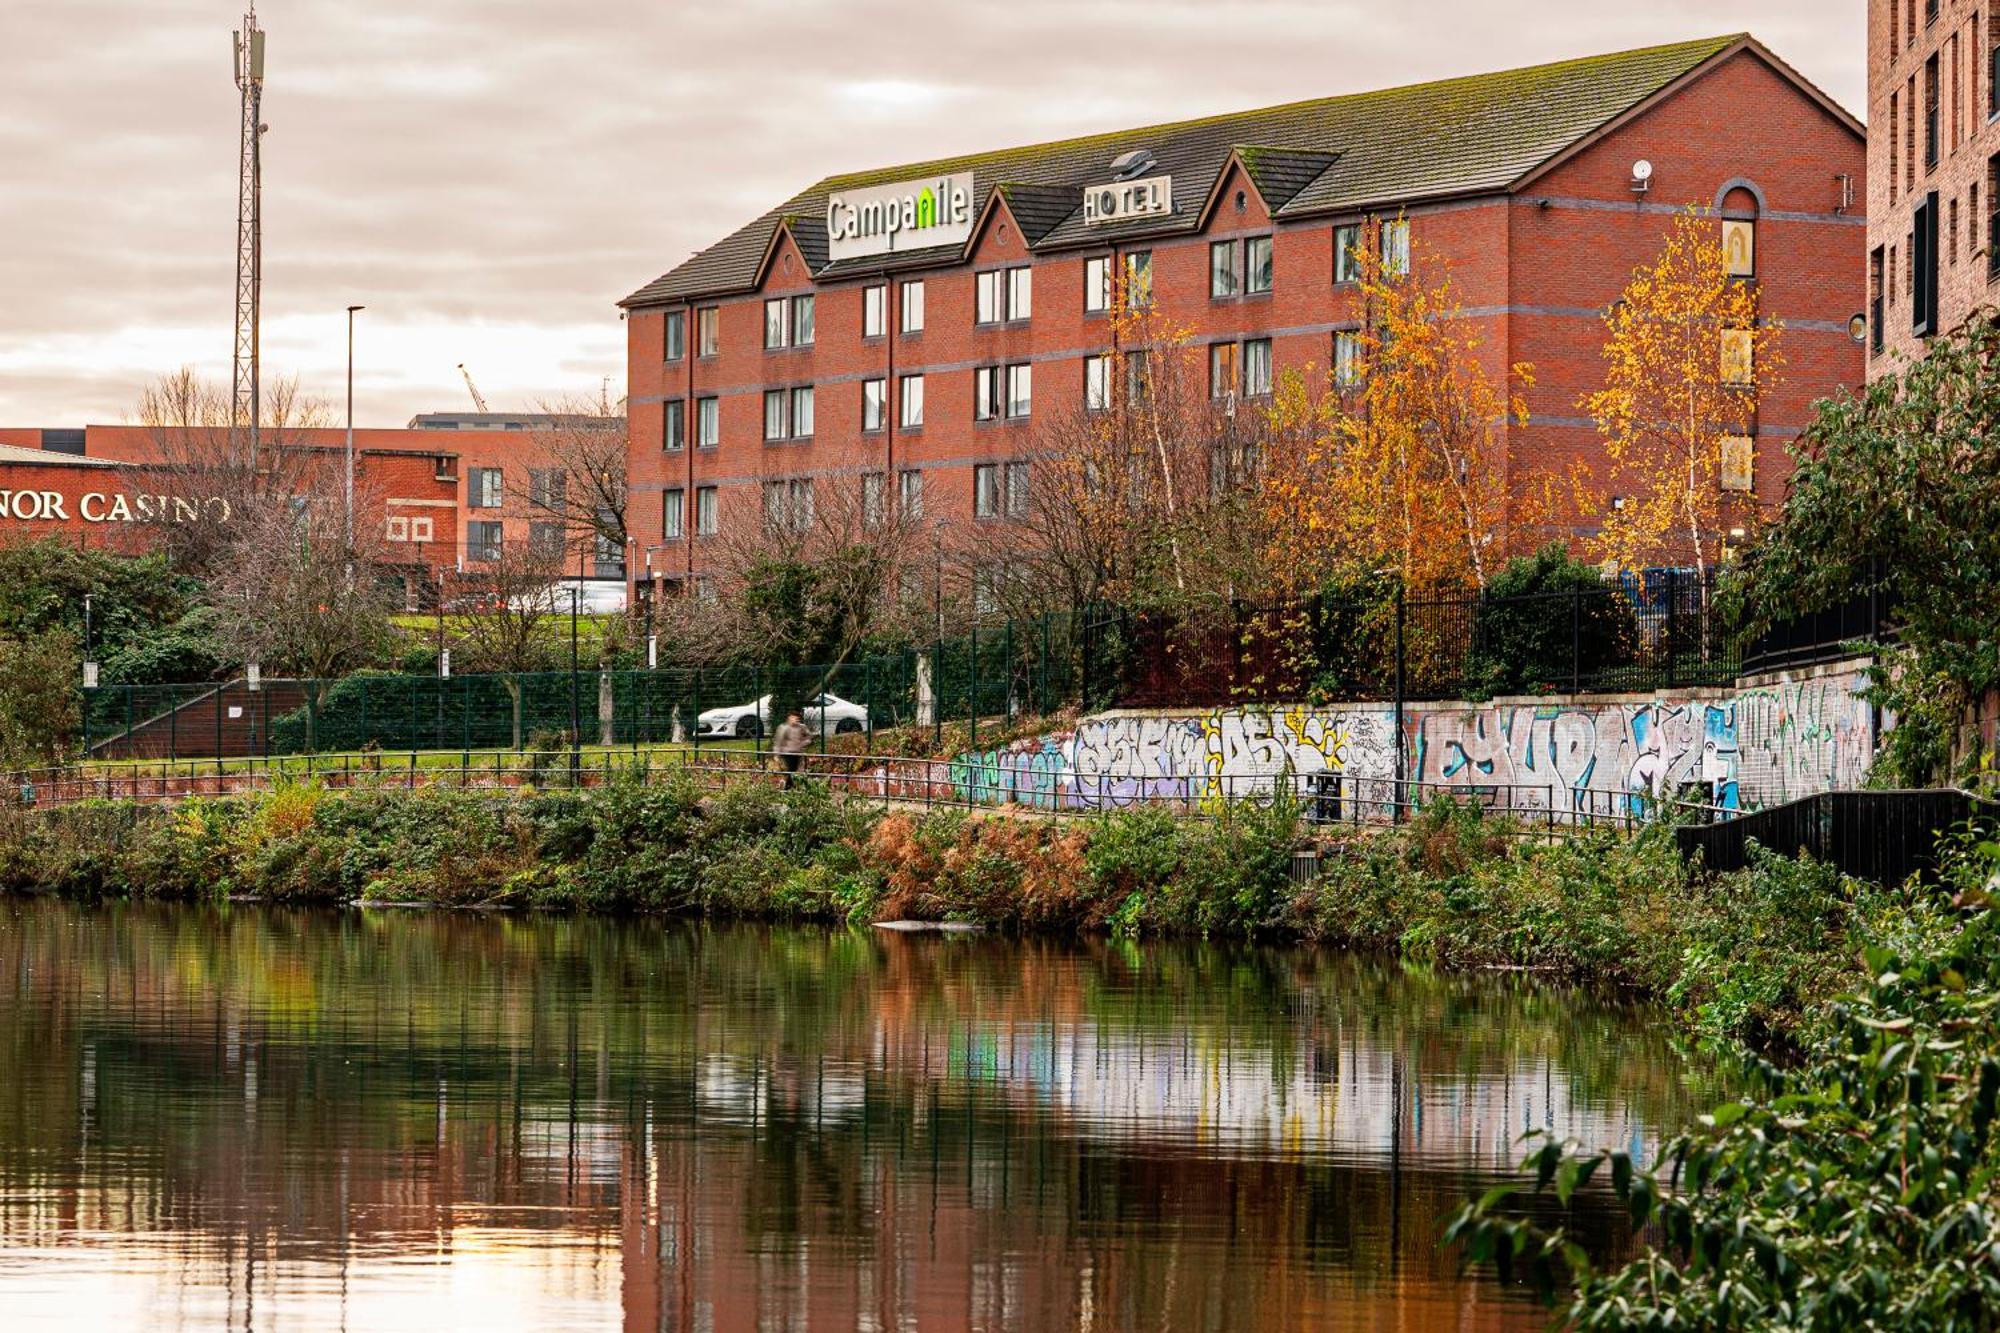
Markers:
point(1122, 201)
point(102, 507)
point(909, 215)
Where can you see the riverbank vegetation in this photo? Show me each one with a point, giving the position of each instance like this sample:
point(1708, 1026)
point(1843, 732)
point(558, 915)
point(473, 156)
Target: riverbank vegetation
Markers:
point(1743, 956)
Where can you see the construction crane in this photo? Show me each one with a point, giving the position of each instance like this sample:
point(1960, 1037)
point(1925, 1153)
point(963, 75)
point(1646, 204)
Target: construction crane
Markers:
point(477, 401)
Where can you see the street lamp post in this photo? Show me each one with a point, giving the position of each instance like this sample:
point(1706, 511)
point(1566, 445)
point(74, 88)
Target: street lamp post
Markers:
point(349, 489)
point(575, 710)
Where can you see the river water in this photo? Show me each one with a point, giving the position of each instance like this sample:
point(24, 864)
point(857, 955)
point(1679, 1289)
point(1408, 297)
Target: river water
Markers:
point(255, 1118)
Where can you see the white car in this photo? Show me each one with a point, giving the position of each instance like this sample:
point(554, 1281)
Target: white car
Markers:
point(828, 712)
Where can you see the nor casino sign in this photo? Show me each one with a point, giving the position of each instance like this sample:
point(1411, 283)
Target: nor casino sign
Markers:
point(100, 507)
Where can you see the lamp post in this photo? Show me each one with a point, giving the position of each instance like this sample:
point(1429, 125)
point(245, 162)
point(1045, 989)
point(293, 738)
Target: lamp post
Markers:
point(349, 489)
point(575, 711)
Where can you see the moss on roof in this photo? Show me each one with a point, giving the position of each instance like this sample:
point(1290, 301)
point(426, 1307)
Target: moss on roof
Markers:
point(1473, 134)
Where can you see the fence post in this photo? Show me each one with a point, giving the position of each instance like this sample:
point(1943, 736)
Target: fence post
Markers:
point(972, 687)
point(1576, 639)
point(218, 730)
point(1402, 746)
point(868, 693)
point(1672, 628)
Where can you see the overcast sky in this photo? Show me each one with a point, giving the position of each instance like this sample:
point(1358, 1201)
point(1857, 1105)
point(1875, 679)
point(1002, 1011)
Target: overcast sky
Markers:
point(489, 177)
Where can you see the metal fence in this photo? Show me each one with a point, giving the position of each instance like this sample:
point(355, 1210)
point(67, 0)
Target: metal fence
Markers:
point(1883, 836)
point(1659, 630)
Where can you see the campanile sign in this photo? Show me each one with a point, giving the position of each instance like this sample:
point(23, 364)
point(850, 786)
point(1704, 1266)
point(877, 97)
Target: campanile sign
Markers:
point(909, 215)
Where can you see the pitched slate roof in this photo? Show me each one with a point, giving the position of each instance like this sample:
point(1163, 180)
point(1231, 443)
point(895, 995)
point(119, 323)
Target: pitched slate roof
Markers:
point(1472, 135)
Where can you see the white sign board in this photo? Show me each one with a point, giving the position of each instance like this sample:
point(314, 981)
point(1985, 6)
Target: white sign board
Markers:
point(1123, 200)
point(909, 215)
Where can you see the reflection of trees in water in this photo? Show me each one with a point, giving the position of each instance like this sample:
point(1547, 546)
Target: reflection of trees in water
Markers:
point(760, 1115)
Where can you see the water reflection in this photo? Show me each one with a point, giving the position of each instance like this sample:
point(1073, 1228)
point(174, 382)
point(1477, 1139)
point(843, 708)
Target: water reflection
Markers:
point(264, 1119)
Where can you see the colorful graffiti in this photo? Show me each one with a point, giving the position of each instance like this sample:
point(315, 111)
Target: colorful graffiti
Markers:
point(1744, 749)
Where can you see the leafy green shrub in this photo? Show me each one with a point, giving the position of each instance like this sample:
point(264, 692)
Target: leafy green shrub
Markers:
point(1545, 621)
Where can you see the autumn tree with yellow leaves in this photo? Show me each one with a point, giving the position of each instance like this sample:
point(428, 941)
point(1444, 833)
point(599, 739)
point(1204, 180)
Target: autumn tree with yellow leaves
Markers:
point(1396, 462)
point(1686, 359)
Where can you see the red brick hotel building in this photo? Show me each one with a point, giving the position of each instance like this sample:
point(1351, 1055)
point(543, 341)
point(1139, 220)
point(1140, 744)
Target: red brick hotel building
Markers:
point(912, 323)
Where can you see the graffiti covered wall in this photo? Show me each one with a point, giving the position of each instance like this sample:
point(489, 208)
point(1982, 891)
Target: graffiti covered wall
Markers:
point(1756, 745)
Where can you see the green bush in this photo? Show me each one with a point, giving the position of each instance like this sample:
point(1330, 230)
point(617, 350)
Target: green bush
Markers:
point(1546, 621)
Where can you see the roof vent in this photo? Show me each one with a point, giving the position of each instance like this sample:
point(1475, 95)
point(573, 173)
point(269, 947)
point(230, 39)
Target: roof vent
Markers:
point(1130, 166)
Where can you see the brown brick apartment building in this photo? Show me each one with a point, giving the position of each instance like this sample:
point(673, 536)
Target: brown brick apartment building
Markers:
point(915, 322)
point(1933, 170)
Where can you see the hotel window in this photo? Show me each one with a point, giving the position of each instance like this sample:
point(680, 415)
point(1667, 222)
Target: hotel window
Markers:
point(911, 492)
point(805, 323)
point(484, 489)
point(1096, 383)
point(1017, 490)
point(1096, 285)
point(874, 404)
point(707, 520)
point(788, 505)
point(483, 540)
point(1895, 142)
point(1139, 279)
point(871, 499)
point(1020, 391)
point(1222, 370)
point(874, 312)
point(1257, 368)
point(986, 393)
point(1257, 265)
point(708, 422)
point(548, 488)
point(986, 490)
point(545, 539)
point(1347, 253)
point(673, 425)
point(989, 294)
point(911, 417)
point(1223, 280)
point(707, 331)
point(673, 514)
point(1739, 365)
point(802, 413)
point(676, 335)
point(1020, 293)
point(774, 413)
point(1347, 359)
point(777, 323)
point(607, 557)
point(1138, 379)
point(1396, 248)
point(1951, 234)
point(913, 306)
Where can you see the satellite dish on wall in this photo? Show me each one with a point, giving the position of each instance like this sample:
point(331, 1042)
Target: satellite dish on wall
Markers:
point(1642, 176)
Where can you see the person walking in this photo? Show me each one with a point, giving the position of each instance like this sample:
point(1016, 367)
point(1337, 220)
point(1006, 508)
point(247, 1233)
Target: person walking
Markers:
point(790, 747)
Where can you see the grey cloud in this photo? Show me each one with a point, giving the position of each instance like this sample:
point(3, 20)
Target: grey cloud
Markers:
point(478, 162)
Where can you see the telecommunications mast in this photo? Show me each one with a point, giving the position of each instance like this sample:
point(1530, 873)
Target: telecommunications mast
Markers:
point(245, 402)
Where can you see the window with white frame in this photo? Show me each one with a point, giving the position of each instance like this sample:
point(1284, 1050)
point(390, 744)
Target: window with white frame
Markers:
point(802, 412)
point(1020, 293)
point(1257, 263)
point(874, 311)
point(708, 331)
point(673, 514)
point(1257, 368)
point(874, 404)
point(911, 492)
point(1096, 383)
point(1347, 253)
point(986, 490)
point(676, 335)
point(1347, 358)
point(708, 422)
point(673, 425)
point(1096, 284)
point(777, 323)
point(989, 294)
point(873, 488)
point(707, 512)
point(1017, 490)
point(1222, 370)
point(1224, 269)
point(1139, 279)
point(913, 306)
point(804, 322)
point(913, 402)
point(1020, 390)
point(986, 387)
point(1396, 248)
point(777, 424)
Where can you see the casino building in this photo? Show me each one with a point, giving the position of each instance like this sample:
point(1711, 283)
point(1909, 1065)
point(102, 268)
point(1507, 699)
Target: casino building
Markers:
point(446, 491)
point(911, 325)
